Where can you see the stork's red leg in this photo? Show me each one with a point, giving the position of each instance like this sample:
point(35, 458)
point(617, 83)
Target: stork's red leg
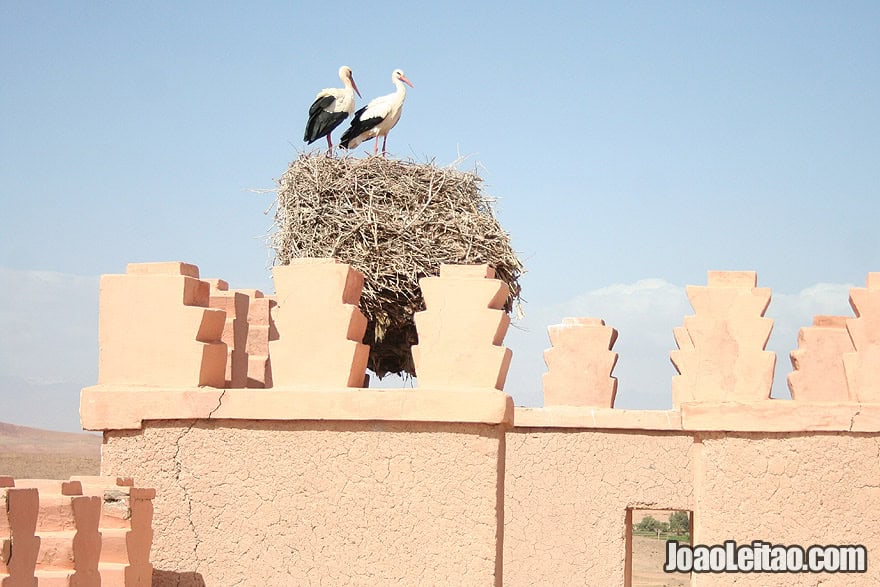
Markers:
point(329, 146)
point(384, 140)
point(376, 146)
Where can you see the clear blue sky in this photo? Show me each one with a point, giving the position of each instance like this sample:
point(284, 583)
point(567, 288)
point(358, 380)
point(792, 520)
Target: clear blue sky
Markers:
point(626, 142)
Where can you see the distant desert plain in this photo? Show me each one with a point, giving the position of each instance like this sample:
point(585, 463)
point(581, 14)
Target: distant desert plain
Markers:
point(32, 453)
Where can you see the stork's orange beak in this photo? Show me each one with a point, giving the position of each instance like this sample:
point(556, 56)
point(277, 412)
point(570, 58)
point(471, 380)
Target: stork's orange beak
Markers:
point(355, 86)
point(406, 81)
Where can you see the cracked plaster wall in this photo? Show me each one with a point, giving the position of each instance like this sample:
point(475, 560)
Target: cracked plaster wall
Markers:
point(789, 488)
point(277, 503)
point(566, 494)
point(285, 503)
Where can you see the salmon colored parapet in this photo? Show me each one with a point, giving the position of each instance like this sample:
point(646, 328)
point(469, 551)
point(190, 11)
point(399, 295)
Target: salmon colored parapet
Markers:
point(838, 358)
point(171, 342)
point(725, 372)
point(86, 531)
point(163, 326)
point(155, 328)
point(126, 529)
point(260, 330)
point(19, 509)
point(462, 329)
point(580, 364)
point(863, 366)
point(320, 327)
point(722, 356)
point(235, 330)
point(818, 373)
point(248, 329)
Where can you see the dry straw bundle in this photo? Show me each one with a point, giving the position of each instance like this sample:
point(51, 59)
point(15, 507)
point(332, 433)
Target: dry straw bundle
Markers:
point(395, 221)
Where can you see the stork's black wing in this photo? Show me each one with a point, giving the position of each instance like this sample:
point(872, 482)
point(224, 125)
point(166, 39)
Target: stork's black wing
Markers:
point(358, 125)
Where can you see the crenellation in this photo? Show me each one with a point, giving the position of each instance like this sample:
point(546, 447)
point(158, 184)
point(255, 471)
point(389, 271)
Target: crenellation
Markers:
point(721, 354)
point(19, 543)
point(819, 373)
point(580, 363)
point(862, 366)
point(67, 527)
point(462, 330)
point(126, 528)
point(315, 481)
point(260, 329)
point(155, 328)
point(82, 532)
point(235, 331)
point(217, 285)
point(319, 327)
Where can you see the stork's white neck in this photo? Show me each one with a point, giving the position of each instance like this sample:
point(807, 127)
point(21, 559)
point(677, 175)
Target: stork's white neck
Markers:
point(401, 88)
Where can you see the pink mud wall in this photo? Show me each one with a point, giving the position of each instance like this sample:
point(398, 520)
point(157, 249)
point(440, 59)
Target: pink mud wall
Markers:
point(789, 488)
point(565, 497)
point(337, 503)
point(567, 491)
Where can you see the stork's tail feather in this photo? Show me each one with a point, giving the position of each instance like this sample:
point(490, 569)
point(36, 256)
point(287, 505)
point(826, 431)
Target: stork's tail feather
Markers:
point(322, 123)
point(346, 137)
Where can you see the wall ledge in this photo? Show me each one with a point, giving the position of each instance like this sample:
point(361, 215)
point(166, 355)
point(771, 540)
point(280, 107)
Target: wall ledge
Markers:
point(759, 416)
point(593, 417)
point(119, 407)
point(781, 416)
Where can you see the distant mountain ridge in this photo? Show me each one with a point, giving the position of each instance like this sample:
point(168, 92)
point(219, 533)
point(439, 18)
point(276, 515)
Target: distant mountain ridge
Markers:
point(16, 439)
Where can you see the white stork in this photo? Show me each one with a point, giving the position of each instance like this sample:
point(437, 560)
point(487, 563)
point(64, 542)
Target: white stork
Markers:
point(377, 118)
point(330, 108)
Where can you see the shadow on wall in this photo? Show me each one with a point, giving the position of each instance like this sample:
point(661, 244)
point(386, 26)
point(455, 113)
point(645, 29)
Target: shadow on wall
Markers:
point(175, 579)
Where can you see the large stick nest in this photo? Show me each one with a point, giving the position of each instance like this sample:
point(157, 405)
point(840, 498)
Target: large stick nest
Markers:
point(396, 222)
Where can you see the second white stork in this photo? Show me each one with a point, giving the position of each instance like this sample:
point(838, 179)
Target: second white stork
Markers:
point(377, 118)
point(330, 108)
